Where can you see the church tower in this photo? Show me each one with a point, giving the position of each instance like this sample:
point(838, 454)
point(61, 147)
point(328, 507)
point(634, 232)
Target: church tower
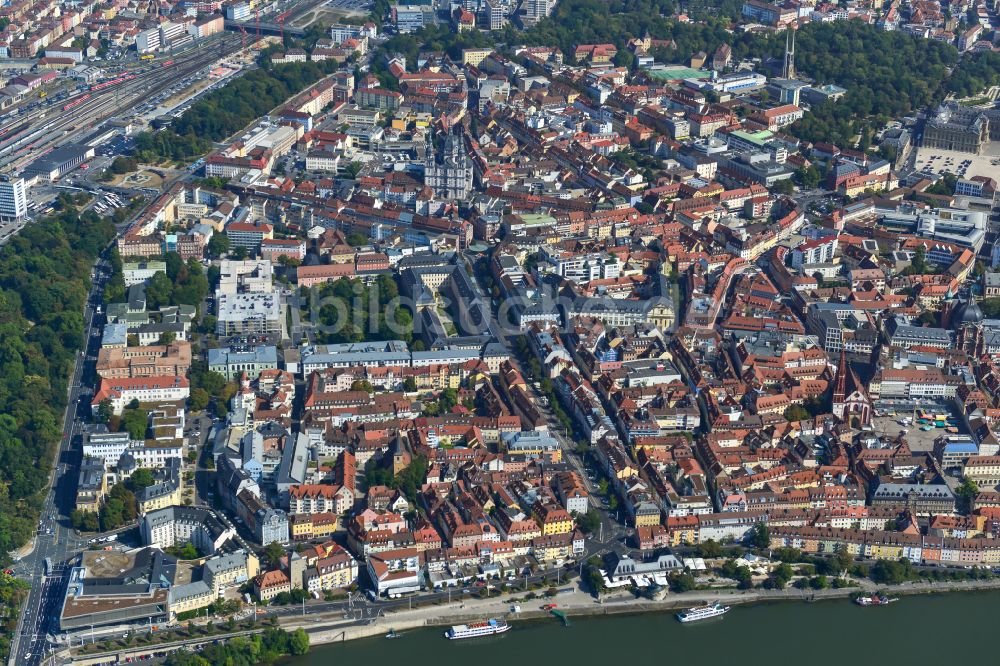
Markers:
point(850, 399)
point(789, 68)
point(448, 172)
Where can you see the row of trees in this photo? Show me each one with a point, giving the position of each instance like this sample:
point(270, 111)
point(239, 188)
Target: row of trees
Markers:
point(122, 165)
point(886, 75)
point(434, 38)
point(12, 594)
point(118, 509)
point(183, 283)
point(154, 147)
point(592, 22)
point(233, 107)
point(533, 372)
point(446, 401)
point(265, 648)
point(208, 387)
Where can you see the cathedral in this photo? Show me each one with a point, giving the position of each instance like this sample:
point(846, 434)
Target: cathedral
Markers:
point(966, 318)
point(448, 172)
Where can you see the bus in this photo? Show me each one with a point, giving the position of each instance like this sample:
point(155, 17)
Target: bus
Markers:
point(147, 56)
point(48, 565)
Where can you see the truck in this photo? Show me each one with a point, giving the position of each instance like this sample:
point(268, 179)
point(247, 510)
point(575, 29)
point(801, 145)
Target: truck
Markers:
point(397, 592)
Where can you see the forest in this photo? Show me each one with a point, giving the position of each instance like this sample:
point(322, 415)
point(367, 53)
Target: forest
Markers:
point(44, 280)
point(975, 73)
point(886, 74)
point(592, 21)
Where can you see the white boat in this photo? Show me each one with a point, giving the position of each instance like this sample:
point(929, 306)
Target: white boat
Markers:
point(702, 612)
point(477, 629)
point(874, 600)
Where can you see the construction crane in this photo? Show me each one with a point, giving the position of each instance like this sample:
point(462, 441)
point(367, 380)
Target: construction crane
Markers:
point(244, 31)
point(281, 23)
point(256, 14)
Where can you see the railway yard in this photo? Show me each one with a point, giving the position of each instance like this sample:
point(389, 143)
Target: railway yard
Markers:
point(27, 136)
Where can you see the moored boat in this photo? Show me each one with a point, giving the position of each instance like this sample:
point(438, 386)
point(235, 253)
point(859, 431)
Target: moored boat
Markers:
point(703, 612)
point(488, 627)
point(874, 600)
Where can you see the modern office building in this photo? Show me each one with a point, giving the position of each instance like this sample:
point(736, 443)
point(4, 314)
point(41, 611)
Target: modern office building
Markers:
point(114, 588)
point(13, 199)
point(410, 18)
point(248, 314)
point(148, 41)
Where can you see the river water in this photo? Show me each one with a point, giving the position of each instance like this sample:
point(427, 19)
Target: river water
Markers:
point(915, 630)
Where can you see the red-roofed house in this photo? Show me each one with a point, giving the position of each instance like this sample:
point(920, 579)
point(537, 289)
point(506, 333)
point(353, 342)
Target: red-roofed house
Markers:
point(123, 390)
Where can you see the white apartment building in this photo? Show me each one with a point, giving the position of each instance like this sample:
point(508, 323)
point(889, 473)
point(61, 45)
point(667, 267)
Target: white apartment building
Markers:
point(587, 267)
point(154, 455)
point(323, 161)
point(108, 446)
point(913, 384)
point(173, 525)
point(819, 251)
point(142, 271)
point(319, 498)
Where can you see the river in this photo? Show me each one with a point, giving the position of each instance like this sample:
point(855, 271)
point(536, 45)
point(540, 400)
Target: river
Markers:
point(914, 630)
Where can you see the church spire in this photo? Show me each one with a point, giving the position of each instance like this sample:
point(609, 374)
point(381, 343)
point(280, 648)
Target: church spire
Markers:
point(840, 384)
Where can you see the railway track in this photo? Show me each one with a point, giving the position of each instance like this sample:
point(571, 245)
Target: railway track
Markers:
point(26, 140)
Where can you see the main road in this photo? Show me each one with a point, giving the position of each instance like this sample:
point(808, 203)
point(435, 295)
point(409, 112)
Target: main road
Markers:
point(56, 540)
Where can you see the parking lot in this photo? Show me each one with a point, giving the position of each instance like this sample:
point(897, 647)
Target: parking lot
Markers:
point(918, 440)
point(963, 165)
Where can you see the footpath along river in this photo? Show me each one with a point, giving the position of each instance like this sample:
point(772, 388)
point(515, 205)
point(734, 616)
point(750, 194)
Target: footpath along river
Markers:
point(914, 630)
